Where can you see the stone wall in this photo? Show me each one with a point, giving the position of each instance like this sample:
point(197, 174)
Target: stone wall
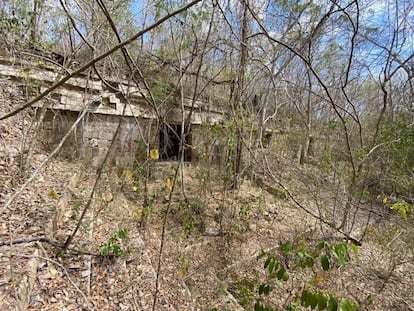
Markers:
point(98, 132)
point(54, 126)
point(93, 135)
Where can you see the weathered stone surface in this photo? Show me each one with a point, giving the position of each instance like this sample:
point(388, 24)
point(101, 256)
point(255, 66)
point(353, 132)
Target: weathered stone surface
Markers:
point(94, 134)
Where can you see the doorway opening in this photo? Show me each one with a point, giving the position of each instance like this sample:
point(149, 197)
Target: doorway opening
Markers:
point(169, 139)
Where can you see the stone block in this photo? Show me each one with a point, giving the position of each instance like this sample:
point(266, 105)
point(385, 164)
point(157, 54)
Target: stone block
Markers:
point(47, 125)
point(87, 152)
point(106, 135)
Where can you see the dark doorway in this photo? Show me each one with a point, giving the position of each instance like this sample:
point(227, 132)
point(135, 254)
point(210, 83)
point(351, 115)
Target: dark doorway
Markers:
point(170, 143)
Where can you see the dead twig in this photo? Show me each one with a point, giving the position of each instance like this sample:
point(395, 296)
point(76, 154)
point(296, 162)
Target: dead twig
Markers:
point(44, 239)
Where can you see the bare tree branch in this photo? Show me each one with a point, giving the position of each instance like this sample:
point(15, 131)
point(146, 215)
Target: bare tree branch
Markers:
point(97, 59)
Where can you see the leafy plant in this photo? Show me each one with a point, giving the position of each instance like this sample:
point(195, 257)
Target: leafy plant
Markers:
point(191, 210)
point(53, 194)
point(148, 206)
point(113, 247)
point(76, 205)
point(323, 301)
point(184, 266)
point(243, 290)
point(244, 215)
point(326, 254)
point(403, 208)
point(131, 179)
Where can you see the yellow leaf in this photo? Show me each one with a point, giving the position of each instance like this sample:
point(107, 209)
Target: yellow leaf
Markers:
point(108, 199)
point(127, 174)
point(181, 273)
point(138, 213)
point(318, 279)
point(134, 188)
point(385, 200)
point(52, 271)
point(26, 72)
point(168, 184)
point(53, 194)
point(154, 154)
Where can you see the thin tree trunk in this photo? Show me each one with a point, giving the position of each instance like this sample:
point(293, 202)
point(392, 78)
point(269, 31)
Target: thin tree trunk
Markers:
point(237, 164)
point(307, 148)
point(34, 23)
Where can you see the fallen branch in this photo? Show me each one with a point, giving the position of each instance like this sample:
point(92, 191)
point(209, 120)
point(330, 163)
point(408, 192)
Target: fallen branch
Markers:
point(30, 240)
point(43, 239)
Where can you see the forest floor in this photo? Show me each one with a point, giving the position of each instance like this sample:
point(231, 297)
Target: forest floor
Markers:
point(211, 236)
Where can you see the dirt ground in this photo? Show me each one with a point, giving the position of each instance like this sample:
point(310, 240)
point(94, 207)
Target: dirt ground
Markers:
point(211, 236)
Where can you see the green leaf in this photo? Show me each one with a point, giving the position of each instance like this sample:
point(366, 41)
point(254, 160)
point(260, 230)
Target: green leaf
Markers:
point(304, 298)
point(265, 289)
point(341, 253)
point(354, 249)
point(273, 275)
point(341, 259)
point(301, 253)
point(322, 301)
point(347, 305)
point(282, 274)
point(309, 262)
point(309, 299)
point(325, 262)
point(285, 248)
point(271, 266)
point(258, 306)
point(103, 250)
point(332, 304)
point(267, 262)
point(313, 300)
point(122, 234)
point(322, 245)
point(116, 249)
point(261, 255)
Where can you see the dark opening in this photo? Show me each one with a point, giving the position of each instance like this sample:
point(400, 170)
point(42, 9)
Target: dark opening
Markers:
point(266, 139)
point(170, 143)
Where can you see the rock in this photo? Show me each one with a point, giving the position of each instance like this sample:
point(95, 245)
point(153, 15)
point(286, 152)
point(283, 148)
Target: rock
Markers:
point(13, 152)
point(271, 208)
point(74, 181)
point(4, 129)
point(211, 230)
point(40, 178)
point(39, 158)
point(253, 227)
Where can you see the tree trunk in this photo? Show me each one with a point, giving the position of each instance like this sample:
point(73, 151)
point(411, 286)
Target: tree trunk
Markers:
point(34, 23)
point(237, 163)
